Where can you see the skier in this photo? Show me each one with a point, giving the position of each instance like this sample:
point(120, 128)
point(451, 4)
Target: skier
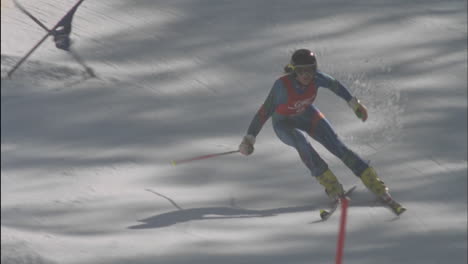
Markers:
point(289, 103)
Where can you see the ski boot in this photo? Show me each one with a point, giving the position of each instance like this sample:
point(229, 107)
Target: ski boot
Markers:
point(377, 186)
point(334, 191)
point(333, 188)
point(397, 208)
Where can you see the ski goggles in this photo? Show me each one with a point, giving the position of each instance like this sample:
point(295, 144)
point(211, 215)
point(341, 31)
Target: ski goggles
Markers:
point(309, 69)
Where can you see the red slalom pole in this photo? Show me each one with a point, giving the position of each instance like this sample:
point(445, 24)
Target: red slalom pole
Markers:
point(342, 231)
point(176, 162)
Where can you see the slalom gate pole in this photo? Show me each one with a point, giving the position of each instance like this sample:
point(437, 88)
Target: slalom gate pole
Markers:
point(342, 231)
point(50, 32)
point(27, 55)
point(177, 162)
point(26, 12)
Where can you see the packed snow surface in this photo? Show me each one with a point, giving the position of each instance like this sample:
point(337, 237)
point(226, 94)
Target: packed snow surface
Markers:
point(86, 174)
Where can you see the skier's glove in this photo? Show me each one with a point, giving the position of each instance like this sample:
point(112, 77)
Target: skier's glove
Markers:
point(359, 109)
point(246, 146)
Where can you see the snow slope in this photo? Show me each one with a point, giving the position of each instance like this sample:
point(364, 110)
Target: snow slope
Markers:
point(86, 174)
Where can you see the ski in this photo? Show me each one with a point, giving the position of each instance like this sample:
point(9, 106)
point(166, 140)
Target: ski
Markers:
point(394, 206)
point(325, 214)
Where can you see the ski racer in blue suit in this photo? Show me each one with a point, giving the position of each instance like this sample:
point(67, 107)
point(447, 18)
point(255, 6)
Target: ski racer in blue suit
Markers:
point(290, 105)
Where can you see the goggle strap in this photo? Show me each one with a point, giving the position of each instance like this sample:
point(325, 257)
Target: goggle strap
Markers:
point(291, 66)
point(305, 66)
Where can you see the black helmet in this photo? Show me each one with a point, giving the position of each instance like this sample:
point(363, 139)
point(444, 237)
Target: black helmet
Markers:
point(303, 57)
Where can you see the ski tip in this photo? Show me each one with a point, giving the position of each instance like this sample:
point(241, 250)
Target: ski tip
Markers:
point(399, 211)
point(324, 214)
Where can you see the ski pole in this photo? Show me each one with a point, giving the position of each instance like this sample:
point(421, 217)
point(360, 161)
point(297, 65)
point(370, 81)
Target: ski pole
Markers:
point(176, 162)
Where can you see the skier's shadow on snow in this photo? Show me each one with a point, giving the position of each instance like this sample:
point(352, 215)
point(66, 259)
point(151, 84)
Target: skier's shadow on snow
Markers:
point(209, 213)
point(212, 213)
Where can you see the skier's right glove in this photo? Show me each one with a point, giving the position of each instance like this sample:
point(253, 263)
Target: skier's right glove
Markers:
point(246, 147)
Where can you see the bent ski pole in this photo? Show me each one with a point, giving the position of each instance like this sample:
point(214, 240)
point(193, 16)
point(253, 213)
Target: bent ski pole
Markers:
point(176, 162)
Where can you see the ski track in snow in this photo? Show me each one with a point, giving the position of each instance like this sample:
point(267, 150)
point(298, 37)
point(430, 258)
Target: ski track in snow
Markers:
point(86, 175)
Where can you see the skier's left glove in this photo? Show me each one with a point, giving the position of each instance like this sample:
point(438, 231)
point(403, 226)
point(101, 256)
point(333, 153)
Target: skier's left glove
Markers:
point(359, 109)
point(246, 146)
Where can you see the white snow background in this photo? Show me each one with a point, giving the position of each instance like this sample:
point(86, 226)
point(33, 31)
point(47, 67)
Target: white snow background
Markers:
point(86, 174)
